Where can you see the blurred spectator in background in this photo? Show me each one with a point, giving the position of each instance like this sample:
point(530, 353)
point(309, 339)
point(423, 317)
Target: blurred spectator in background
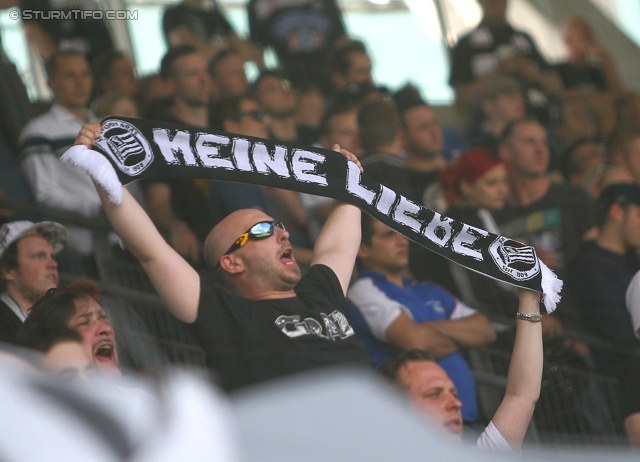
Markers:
point(196, 23)
point(153, 96)
point(580, 162)
point(16, 109)
point(28, 267)
point(84, 35)
point(185, 74)
point(595, 99)
point(588, 68)
point(553, 217)
point(338, 126)
point(114, 73)
point(301, 33)
point(454, 142)
point(227, 73)
point(309, 114)
point(596, 280)
point(350, 63)
point(495, 48)
point(384, 159)
point(384, 134)
point(45, 138)
point(624, 149)
point(277, 98)
point(379, 128)
point(423, 141)
point(115, 104)
point(496, 102)
point(176, 205)
point(391, 312)
point(351, 78)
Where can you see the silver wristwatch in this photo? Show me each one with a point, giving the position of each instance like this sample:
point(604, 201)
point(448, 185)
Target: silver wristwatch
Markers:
point(529, 317)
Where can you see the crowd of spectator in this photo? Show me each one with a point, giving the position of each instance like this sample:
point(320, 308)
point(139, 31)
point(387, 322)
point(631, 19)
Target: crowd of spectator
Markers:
point(264, 277)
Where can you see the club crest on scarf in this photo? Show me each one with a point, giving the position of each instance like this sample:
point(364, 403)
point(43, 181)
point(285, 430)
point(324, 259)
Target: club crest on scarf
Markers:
point(521, 263)
point(126, 146)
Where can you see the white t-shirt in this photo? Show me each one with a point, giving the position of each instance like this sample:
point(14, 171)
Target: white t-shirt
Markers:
point(492, 440)
point(633, 302)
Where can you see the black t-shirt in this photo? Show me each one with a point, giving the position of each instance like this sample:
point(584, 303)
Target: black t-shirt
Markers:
point(478, 53)
point(300, 32)
point(589, 78)
point(9, 324)
point(557, 221)
point(596, 284)
point(85, 35)
point(248, 341)
point(392, 172)
point(629, 390)
point(208, 26)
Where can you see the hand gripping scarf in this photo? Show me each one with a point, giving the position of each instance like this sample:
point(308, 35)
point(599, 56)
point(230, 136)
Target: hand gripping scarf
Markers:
point(132, 149)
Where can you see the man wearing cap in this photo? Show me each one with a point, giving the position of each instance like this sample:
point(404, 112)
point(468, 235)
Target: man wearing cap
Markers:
point(597, 279)
point(28, 267)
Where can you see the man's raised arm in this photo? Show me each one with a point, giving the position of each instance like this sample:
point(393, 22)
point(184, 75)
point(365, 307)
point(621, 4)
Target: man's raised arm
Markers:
point(338, 242)
point(525, 374)
point(177, 283)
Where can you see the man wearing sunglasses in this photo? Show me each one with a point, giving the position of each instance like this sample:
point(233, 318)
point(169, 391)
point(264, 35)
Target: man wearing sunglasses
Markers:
point(258, 318)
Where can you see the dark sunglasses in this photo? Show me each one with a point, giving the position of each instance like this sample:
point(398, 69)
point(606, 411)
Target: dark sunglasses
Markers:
point(258, 116)
point(260, 230)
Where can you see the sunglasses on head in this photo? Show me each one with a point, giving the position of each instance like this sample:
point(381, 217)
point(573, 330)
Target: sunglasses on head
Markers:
point(260, 230)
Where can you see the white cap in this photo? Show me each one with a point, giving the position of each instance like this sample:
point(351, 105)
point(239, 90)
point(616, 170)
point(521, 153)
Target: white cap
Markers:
point(53, 232)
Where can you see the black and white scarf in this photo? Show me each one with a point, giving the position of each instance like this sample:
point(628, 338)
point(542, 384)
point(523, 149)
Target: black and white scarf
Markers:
point(132, 149)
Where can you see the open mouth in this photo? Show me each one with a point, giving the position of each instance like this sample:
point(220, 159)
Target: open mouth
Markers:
point(104, 352)
point(287, 257)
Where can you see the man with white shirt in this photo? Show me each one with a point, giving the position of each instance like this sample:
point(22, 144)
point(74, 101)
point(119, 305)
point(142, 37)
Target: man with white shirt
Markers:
point(435, 394)
point(391, 312)
point(28, 268)
point(45, 138)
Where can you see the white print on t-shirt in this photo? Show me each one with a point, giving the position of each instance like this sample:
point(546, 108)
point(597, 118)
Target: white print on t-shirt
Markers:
point(336, 325)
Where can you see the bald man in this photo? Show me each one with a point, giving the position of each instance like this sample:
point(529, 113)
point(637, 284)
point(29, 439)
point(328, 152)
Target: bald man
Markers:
point(256, 318)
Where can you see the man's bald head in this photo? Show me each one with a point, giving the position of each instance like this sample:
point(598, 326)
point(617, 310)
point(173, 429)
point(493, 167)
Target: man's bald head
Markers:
point(224, 234)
